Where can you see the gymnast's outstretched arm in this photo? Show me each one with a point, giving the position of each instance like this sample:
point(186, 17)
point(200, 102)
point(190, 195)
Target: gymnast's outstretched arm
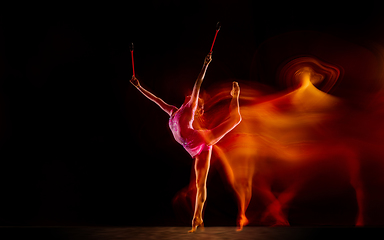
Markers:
point(196, 88)
point(163, 105)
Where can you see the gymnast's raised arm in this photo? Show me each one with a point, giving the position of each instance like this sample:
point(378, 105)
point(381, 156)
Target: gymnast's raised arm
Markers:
point(163, 105)
point(196, 88)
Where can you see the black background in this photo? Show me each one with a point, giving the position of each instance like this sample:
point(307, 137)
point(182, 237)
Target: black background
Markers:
point(80, 145)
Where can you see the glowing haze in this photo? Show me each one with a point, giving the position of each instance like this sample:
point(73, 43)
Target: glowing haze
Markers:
point(299, 145)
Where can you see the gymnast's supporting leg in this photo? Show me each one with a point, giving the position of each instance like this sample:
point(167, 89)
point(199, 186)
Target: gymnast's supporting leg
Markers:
point(202, 163)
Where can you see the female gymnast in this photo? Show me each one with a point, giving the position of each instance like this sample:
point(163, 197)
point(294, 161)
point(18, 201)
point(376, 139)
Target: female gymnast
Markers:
point(197, 142)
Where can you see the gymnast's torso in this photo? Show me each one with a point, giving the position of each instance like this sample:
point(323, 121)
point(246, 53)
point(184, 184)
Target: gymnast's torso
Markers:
point(191, 139)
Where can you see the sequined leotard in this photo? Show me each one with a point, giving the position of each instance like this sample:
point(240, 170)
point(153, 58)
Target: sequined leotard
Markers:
point(181, 126)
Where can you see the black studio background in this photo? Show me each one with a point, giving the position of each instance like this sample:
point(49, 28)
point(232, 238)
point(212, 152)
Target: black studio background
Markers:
point(80, 145)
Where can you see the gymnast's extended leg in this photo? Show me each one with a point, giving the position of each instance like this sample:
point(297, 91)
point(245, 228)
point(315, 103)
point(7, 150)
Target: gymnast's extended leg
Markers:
point(214, 135)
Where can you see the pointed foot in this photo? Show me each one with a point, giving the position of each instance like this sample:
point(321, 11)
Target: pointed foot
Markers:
point(235, 92)
point(243, 221)
point(195, 224)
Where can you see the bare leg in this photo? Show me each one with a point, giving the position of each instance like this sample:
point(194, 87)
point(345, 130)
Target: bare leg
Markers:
point(243, 189)
point(217, 133)
point(202, 163)
point(241, 183)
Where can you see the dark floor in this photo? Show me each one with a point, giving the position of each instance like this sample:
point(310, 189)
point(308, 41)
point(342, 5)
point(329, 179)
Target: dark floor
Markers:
point(119, 233)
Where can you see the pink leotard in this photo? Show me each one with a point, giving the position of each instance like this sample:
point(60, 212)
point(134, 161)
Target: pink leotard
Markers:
point(181, 126)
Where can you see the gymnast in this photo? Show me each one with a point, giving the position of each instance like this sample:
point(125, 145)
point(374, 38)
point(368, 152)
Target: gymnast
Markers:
point(197, 142)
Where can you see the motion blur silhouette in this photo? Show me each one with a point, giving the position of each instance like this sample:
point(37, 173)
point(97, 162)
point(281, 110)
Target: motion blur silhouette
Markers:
point(306, 150)
point(310, 147)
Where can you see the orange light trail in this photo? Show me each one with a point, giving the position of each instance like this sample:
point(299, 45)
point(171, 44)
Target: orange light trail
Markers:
point(297, 144)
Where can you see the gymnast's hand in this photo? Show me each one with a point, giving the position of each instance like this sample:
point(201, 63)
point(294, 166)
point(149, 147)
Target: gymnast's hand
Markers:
point(208, 58)
point(135, 81)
